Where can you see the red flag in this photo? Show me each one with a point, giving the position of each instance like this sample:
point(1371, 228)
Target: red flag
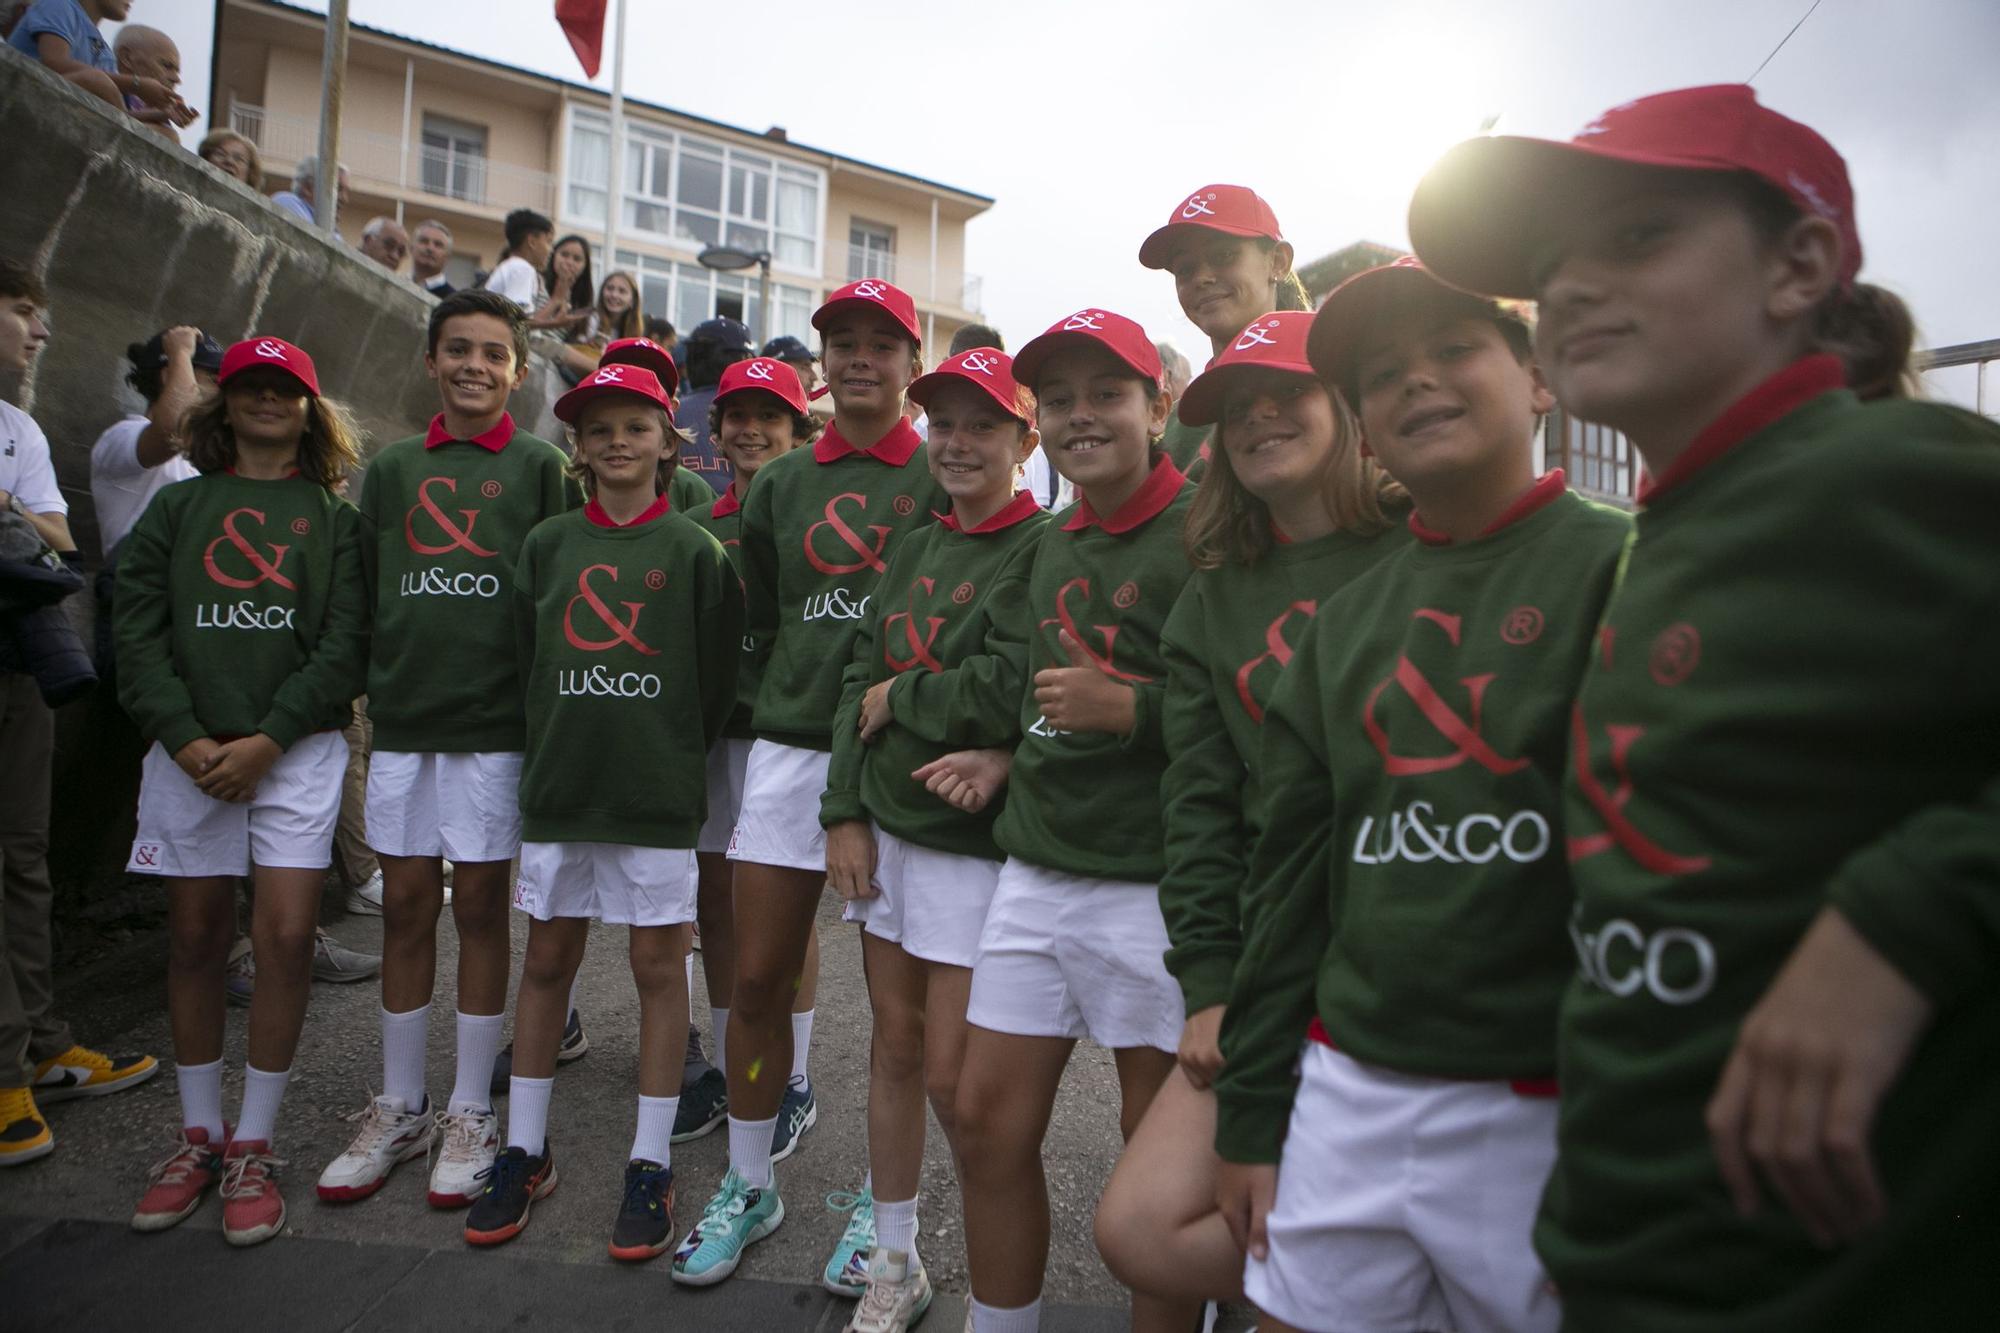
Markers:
point(582, 21)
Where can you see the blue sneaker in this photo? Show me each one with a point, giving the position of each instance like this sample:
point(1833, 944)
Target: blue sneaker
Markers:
point(847, 1272)
point(797, 1113)
point(737, 1216)
point(704, 1106)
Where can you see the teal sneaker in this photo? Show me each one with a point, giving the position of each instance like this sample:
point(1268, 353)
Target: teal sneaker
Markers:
point(737, 1216)
point(847, 1272)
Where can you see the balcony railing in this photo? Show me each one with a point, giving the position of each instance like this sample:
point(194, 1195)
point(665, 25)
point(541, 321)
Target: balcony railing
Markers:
point(867, 262)
point(1977, 356)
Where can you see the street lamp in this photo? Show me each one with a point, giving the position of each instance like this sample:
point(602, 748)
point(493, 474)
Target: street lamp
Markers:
point(728, 259)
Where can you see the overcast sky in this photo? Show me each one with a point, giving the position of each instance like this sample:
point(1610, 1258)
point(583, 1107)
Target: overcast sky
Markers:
point(1087, 122)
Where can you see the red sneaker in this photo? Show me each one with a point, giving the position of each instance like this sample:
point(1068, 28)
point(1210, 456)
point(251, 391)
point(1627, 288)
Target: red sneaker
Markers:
point(252, 1208)
point(177, 1182)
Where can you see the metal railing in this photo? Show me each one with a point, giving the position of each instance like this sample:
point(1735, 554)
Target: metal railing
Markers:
point(1977, 355)
point(867, 262)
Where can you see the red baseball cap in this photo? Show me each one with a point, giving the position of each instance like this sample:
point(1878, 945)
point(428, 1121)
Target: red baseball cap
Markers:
point(606, 381)
point(1272, 342)
point(1233, 210)
point(648, 355)
point(886, 296)
point(989, 368)
point(275, 353)
point(1476, 214)
point(766, 374)
point(1364, 300)
point(1125, 339)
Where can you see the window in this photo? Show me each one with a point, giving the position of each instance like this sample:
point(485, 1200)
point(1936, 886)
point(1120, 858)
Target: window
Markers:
point(871, 251)
point(687, 294)
point(454, 158)
point(798, 218)
point(647, 186)
point(589, 170)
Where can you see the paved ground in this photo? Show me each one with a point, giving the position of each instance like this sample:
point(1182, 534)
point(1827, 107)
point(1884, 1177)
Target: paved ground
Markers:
point(66, 1257)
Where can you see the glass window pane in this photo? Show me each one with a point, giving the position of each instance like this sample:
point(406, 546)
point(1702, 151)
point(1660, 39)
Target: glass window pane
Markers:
point(760, 165)
point(745, 237)
point(701, 182)
point(586, 205)
point(645, 215)
point(798, 207)
point(697, 227)
point(693, 297)
point(656, 292)
point(589, 155)
point(739, 190)
point(795, 307)
point(794, 250)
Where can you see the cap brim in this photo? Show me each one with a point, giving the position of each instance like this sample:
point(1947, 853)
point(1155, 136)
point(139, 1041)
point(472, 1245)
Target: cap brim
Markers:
point(735, 390)
point(1201, 404)
point(570, 406)
point(826, 312)
point(924, 386)
point(1157, 250)
point(311, 389)
point(1356, 305)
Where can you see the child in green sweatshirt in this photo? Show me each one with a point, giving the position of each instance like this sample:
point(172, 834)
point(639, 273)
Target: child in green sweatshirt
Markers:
point(1783, 806)
point(1288, 513)
point(1403, 932)
point(629, 621)
point(242, 636)
point(1073, 938)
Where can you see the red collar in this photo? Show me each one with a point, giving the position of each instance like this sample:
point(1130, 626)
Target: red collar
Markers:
point(1016, 510)
point(594, 511)
point(894, 448)
point(1777, 397)
point(231, 470)
point(492, 441)
point(1546, 490)
point(726, 503)
point(1278, 534)
point(1155, 493)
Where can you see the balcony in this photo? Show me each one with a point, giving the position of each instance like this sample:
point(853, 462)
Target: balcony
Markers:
point(962, 291)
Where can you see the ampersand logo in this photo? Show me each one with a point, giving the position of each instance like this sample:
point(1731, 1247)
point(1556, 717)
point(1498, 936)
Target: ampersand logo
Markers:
point(656, 579)
point(262, 570)
point(1523, 625)
point(270, 350)
point(919, 646)
point(1257, 335)
point(871, 289)
point(623, 630)
point(490, 489)
point(302, 526)
point(1084, 319)
point(758, 370)
point(1620, 831)
point(870, 555)
point(1276, 650)
point(1197, 206)
point(904, 505)
point(1676, 653)
point(1107, 634)
point(1127, 596)
point(146, 854)
point(1463, 733)
point(455, 537)
point(609, 375)
point(979, 362)
point(962, 593)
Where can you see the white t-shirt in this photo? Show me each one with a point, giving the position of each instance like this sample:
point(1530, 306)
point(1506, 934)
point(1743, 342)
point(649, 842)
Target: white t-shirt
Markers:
point(515, 278)
point(25, 467)
point(1035, 476)
point(121, 486)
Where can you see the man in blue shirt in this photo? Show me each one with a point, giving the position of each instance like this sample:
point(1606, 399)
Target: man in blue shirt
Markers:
point(63, 35)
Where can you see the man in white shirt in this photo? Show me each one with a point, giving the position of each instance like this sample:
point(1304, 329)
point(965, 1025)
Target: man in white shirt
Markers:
point(173, 371)
point(518, 277)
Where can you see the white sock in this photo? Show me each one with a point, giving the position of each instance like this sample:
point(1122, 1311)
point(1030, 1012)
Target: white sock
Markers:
point(750, 1149)
point(404, 1039)
point(653, 1140)
point(262, 1091)
point(719, 1020)
point(201, 1098)
point(690, 970)
point(528, 1113)
point(896, 1226)
point(478, 1043)
point(802, 1040)
point(573, 983)
point(1026, 1319)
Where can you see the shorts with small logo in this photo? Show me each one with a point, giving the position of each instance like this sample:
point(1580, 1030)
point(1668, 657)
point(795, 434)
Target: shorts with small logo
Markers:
point(188, 834)
point(611, 882)
point(931, 903)
point(728, 759)
point(1073, 956)
point(463, 807)
point(779, 822)
point(1406, 1202)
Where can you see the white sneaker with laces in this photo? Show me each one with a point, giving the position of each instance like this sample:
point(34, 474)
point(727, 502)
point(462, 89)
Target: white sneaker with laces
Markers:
point(390, 1133)
point(470, 1141)
point(365, 898)
point(897, 1296)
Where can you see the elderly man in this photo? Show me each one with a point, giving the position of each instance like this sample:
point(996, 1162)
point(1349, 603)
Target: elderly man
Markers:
point(299, 199)
point(384, 241)
point(430, 251)
point(148, 53)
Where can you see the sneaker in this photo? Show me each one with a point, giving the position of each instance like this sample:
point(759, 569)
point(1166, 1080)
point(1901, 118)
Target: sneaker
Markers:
point(176, 1184)
point(898, 1295)
point(390, 1133)
point(334, 961)
point(24, 1135)
point(471, 1141)
point(645, 1225)
point(509, 1184)
point(846, 1273)
point(365, 898)
point(737, 1216)
point(82, 1072)
point(253, 1210)
point(574, 1046)
point(704, 1106)
point(797, 1113)
point(239, 977)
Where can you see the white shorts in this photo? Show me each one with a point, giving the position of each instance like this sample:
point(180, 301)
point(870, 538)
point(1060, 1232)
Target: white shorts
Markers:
point(779, 822)
point(728, 758)
point(186, 833)
point(1071, 956)
point(931, 903)
point(1406, 1203)
point(463, 807)
point(611, 882)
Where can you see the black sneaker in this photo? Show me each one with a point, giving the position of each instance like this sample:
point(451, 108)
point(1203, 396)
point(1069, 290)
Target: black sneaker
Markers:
point(575, 1045)
point(645, 1226)
point(513, 1183)
point(704, 1105)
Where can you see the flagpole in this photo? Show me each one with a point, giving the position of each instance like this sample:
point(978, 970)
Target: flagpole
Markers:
point(614, 204)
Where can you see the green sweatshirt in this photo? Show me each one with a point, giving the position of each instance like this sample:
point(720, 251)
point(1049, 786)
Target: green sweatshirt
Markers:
point(819, 528)
point(628, 642)
point(1226, 645)
point(240, 608)
point(688, 491)
point(723, 517)
point(1088, 803)
point(1186, 445)
point(932, 627)
point(442, 525)
point(1409, 887)
point(1796, 707)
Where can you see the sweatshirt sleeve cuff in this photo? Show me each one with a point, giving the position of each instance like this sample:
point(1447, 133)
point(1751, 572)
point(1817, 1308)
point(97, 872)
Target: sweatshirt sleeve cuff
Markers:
point(1923, 934)
point(1146, 710)
point(837, 807)
point(178, 732)
point(283, 728)
point(1205, 982)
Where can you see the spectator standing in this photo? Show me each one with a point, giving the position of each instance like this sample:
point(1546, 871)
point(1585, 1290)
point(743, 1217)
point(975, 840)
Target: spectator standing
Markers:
point(799, 357)
point(233, 155)
point(173, 371)
point(143, 52)
point(63, 35)
point(430, 251)
point(518, 276)
point(299, 199)
point(1177, 369)
point(615, 316)
point(662, 331)
point(713, 346)
point(384, 241)
point(570, 290)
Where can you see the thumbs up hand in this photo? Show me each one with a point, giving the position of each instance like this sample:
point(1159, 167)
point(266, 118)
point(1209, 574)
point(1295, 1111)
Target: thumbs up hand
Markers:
point(1081, 697)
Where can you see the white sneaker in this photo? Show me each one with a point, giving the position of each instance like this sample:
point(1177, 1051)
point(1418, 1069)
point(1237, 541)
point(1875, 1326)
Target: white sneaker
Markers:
point(365, 898)
point(471, 1140)
point(897, 1295)
point(390, 1133)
